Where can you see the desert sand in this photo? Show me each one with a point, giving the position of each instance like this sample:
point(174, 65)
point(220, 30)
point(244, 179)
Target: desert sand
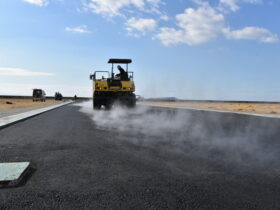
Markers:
point(23, 103)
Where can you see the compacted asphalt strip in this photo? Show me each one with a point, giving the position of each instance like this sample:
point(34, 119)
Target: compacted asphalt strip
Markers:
point(171, 159)
point(10, 118)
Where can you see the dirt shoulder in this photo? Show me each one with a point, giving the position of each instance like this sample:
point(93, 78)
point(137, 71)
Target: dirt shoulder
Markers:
point(7, 104)
point(266, 108)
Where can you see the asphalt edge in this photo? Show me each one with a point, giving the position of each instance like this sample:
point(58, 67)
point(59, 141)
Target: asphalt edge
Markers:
point(213, 110)
point(34, 115)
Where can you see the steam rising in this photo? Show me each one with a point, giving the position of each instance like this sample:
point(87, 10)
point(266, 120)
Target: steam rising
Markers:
point(223, 137)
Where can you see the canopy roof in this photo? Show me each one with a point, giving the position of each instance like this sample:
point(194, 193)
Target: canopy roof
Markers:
point(116, 60)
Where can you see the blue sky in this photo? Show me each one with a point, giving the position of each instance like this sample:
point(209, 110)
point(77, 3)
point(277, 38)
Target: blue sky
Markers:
point(190, 49)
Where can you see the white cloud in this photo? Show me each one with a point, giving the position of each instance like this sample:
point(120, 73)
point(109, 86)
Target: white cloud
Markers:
point(140, 25)
point(170, 36)
point(231, 4)
point(79, 29)
point(205, 23)
point(252, 33)
point(22, 72)
point(196, 26)
point(234, 4)
point(112, 8)
point(164, 17)
point(40, 3)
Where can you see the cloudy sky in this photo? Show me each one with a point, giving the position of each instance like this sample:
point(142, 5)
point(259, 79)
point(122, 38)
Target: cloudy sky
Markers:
point(191, 49)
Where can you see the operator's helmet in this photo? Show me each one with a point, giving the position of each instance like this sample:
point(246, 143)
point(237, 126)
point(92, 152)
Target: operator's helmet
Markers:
point(119, 67)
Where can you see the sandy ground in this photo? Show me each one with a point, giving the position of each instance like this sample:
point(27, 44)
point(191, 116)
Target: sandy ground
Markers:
point(235, 107)
point(23, 103)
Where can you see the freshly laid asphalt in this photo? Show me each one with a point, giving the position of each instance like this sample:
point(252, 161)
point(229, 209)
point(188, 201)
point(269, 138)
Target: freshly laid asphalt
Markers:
point(213, 161)
point(12, 119)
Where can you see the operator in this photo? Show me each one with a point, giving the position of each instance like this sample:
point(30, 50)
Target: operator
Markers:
point(123, 74)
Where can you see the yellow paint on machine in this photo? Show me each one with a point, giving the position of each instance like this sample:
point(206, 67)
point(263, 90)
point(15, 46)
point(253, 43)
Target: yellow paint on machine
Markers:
point(102, 86)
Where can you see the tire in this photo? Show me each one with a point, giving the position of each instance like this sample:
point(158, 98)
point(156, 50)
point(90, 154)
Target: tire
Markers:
point(131, 104)
point(96, 104)
point(97, 107)
point(131, 101)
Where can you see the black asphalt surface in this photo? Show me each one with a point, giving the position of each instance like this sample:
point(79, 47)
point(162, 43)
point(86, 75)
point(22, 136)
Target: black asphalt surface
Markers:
point(205, 161)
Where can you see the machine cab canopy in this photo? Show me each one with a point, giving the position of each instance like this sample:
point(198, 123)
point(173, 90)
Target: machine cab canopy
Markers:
point(122, 61)
point(128, 76)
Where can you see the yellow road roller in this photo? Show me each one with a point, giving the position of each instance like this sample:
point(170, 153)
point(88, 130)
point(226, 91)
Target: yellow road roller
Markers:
point(110, 88)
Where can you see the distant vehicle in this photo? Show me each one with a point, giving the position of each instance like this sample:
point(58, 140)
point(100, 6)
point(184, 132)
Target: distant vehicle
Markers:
point(39, 95)
point(58, 96)
point(111, 88)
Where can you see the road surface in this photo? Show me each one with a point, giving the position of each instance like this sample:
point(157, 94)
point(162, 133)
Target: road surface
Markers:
point(166, 160)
